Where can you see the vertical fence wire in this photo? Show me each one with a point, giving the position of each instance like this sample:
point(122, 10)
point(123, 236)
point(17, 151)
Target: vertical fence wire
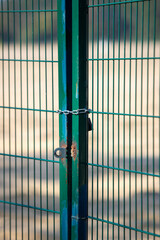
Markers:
point(136, 39)
point(9, 126)
point(46, 100)
point(53, 119)
point(28, 123)
point(97, 84)
point(153, 130)
point(102, 117)
point(130, 70)
point(119, 32)
point(33, 66)
point(92, 113)
point(40, 117)
point(159, 141)
point(124, 140)
point(142, 34)
point(108, 72)
point(113, 89)
point(15, 120)
point(147, 113)
point(3, 125)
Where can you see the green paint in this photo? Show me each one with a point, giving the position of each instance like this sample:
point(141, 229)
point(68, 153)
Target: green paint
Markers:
point(75, 119)
point(62, 118)
point(79, 123)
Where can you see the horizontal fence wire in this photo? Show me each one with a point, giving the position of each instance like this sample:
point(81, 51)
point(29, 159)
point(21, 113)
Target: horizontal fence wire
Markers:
point(28, 11)
point(126, 114)
point(27, 206)
point(124, 59)
point(29, 109)
point(124, 226)
point(28, 157)
point(115, 3)
point(124, 103)
point(90, 111)
point(28, 60)
point(125, 170)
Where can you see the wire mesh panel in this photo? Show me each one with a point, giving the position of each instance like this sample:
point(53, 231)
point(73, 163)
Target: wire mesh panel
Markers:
point(29, 129)
point(124, 95)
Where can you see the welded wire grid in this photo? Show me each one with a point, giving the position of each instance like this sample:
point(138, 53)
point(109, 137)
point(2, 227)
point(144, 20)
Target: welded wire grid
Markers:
point(29, 130)
point(124, 95)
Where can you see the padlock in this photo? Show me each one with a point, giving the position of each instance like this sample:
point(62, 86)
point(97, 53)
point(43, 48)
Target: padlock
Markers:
point(90, 126)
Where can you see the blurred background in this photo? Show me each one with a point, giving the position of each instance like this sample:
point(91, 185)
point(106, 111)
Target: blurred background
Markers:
point(50, 33)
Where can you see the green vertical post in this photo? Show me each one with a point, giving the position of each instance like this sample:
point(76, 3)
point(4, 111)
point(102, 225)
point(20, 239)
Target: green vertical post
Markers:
point(79, 221)
point(62, 118)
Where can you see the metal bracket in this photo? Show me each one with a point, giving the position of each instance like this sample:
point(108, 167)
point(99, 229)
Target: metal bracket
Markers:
point(79, 218)
point(62, 153)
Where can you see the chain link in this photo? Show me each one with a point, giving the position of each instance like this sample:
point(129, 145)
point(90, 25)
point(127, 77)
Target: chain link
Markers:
point(59, 112)
point(66, 112)
point(74, 112)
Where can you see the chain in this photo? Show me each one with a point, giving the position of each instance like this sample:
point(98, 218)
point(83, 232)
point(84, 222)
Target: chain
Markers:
point(74, 112)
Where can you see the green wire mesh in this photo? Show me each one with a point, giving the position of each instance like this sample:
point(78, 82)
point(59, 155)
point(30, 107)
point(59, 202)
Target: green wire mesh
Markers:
point(29, 174)
point(124, 95)
point(124, 90)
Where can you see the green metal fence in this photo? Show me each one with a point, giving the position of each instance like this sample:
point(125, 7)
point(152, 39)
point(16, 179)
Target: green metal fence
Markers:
point(124, 55)
point(29, 182)
point(97, 59)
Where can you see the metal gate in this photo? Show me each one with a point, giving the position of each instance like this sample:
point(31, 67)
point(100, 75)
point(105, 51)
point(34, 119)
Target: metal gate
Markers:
point(124, 95)
point(29, 181)
point(62, 62)
point(36, 121)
